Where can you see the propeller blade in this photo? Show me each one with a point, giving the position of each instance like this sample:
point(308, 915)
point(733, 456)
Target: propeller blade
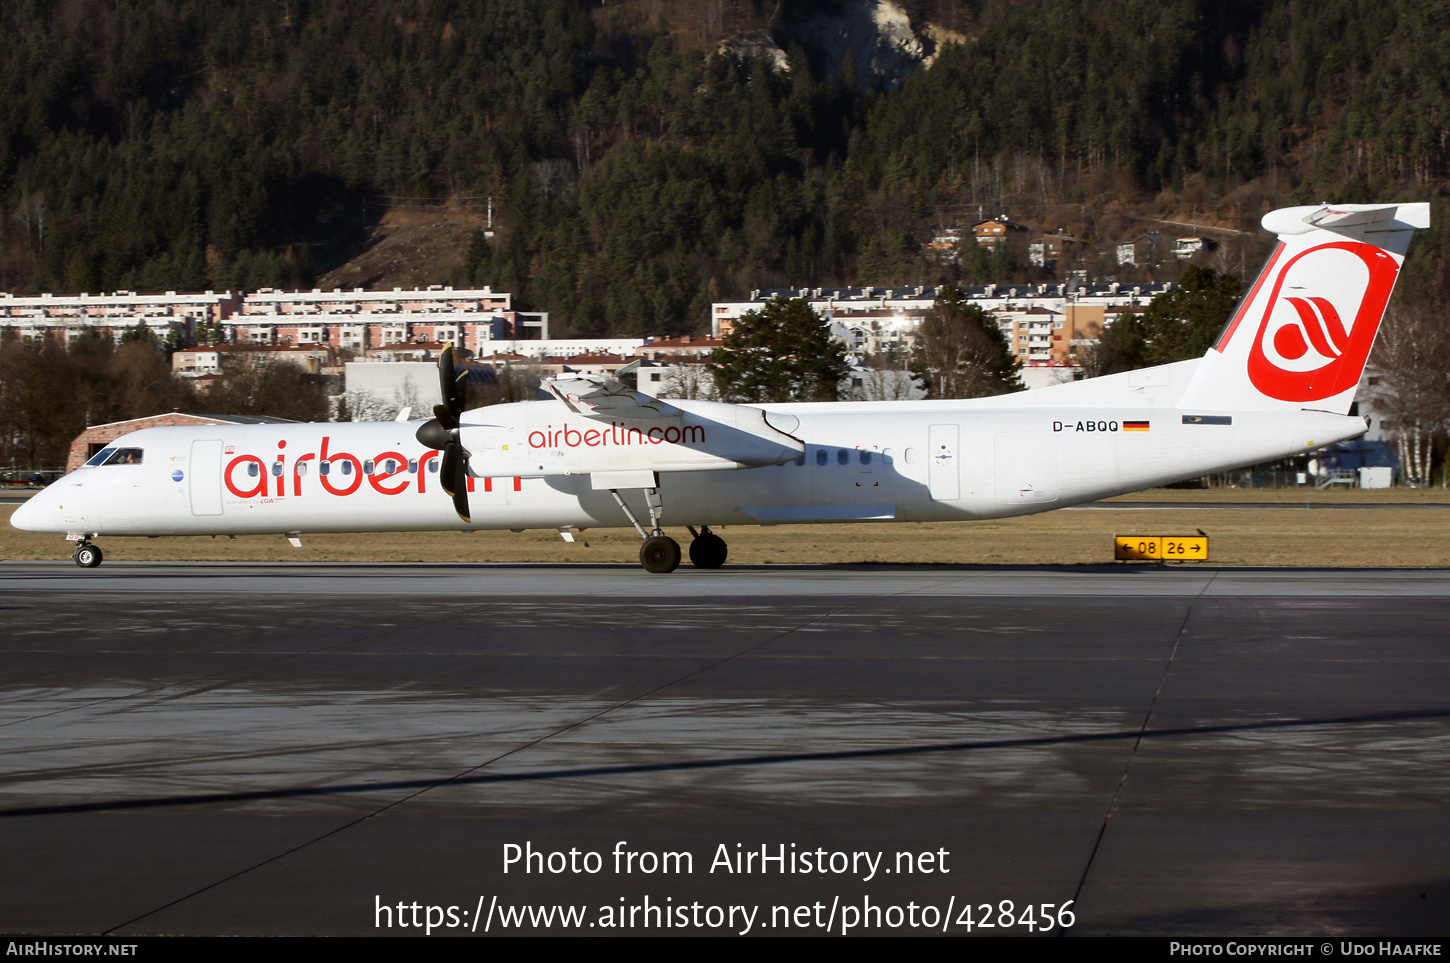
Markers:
point(445, 373)
point(453, 476)
point(451, 383)
point(444, 417)
point(449, 473)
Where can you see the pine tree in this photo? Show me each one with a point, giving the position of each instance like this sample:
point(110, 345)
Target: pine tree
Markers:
point(783, 352)
point(960, 351)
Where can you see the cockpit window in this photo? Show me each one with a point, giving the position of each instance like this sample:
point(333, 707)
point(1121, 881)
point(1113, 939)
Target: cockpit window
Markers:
point(115, 456)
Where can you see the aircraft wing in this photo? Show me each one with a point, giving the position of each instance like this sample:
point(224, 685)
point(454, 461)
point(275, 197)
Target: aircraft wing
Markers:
point(594, 396)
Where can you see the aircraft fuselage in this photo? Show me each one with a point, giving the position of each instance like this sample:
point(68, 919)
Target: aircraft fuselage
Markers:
point(919, 462)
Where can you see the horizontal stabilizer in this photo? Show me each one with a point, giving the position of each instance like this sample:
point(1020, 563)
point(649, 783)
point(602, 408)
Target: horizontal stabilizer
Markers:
point(1349, 219)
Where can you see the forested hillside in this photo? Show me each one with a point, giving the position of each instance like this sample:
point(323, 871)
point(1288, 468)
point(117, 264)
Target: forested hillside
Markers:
point(635, 174)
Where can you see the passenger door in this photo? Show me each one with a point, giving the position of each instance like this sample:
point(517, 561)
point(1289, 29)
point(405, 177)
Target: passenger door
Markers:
point(205, 469)
point(942, 473)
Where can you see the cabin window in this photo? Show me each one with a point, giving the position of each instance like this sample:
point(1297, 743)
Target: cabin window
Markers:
point(276, 469)
point(433, 465)
point(820, 456)
point(347, 467)
point(865, 457)
point(368, 467)
point(911, 456)
point(413, 466)
point(801, 460)
point(253, 469)
point(842, 456)
point(390, 466)
point(887, 456)
point(301, 468)
point(324, 468)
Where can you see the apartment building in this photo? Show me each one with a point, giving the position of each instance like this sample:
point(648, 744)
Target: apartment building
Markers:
point(360, 320)
point(67, 317)
point(1041, 321)
point(356, 320)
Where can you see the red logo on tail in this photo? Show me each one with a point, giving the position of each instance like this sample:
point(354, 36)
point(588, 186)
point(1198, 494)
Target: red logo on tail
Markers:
point(1303, 351)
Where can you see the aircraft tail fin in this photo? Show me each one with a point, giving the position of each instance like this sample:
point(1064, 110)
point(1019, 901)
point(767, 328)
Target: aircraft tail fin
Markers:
point(1302, 335)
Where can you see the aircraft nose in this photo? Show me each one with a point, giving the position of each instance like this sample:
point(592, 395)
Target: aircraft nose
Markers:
point(26, 516)
point(37, 514)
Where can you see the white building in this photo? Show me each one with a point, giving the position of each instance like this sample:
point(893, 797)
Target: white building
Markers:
point(359, 320)
point(355, 320)
point(68, 316)
point(1041, 321)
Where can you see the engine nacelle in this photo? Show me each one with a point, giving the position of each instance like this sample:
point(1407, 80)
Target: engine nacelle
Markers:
point(549, 439)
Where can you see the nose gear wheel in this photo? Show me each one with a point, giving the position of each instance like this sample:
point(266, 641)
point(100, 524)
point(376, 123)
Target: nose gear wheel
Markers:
point(87, 555)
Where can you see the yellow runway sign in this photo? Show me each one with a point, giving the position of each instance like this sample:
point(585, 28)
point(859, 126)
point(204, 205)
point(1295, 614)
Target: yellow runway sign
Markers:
point(1161, 548)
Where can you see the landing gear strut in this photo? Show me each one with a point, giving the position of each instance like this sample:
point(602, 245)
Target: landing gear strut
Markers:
point(659, 554)
point(87, 555)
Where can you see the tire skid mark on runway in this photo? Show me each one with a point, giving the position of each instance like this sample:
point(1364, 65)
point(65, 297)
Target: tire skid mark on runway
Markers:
point(1138, 742)
point(465, 774)
point(238, 673)
point(1134, 736)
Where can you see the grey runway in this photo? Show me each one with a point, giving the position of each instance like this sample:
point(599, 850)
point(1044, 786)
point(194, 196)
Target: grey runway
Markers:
point(269, 749)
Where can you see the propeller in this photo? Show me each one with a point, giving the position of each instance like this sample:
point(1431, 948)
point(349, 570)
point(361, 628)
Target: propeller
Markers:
point(442, 433)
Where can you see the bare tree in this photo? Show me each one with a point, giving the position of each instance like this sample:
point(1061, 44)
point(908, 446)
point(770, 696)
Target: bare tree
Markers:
point(883, 381)
point(253, 385)
point(32, 211)
point(688, 382)
point(359, 404)
point(39, 409)
point(512, 382)
point(553, 177)
point(1411, 363)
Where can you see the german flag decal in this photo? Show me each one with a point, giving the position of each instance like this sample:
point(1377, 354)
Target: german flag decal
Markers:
point(1135, 426)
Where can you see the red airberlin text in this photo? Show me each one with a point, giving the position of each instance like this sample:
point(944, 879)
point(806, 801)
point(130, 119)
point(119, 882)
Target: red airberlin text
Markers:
point(338, 473)
point(567, 436)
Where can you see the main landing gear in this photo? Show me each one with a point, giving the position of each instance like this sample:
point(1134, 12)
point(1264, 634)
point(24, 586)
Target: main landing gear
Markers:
point(660, 554)
point(87, 555)
point(708, 550)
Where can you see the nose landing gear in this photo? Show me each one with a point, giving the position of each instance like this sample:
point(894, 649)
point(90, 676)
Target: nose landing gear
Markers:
point(87, 555)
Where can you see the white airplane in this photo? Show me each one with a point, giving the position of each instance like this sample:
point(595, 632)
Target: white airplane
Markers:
point(1279, 381)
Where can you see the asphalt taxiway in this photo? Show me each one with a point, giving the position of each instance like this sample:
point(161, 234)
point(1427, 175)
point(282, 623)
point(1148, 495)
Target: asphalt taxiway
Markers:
point(209, 748)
